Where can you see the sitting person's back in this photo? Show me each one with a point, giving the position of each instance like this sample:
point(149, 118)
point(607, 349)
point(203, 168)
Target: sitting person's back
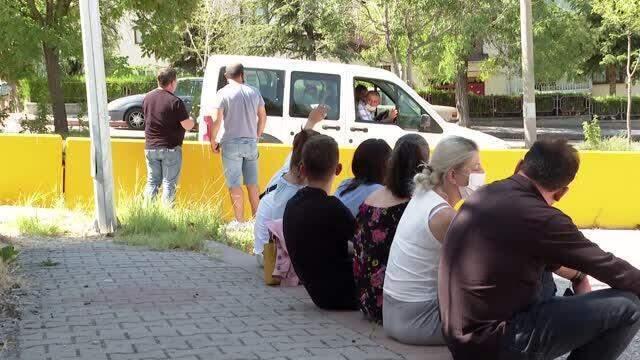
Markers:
point(272, 205)
point(411, 311)
point(368, 167)
point(377, 221)
point(317, 228)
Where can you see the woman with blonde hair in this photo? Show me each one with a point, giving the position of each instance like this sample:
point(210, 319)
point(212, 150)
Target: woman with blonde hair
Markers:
point(410, 304)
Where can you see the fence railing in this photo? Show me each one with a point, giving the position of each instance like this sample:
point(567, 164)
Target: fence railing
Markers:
point(607, 108)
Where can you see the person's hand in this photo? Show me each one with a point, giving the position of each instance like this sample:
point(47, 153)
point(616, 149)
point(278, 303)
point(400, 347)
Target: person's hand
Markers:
point(394, 114)
point(315, 116)
point(582, 287)
point(215, 147)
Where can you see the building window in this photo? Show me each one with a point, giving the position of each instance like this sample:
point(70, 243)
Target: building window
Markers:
point(137, 36)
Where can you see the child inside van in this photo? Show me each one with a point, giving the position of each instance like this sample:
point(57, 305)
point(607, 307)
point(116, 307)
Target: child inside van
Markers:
point(317, 228)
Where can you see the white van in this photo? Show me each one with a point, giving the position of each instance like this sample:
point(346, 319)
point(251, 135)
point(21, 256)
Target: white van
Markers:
point(291, 88)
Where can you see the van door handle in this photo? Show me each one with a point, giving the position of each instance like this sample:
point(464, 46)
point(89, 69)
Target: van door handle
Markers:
point(327, 127)
point(354, 129)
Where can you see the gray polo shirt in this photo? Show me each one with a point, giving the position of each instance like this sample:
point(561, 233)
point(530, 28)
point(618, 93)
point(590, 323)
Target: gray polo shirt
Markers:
point(240, 103)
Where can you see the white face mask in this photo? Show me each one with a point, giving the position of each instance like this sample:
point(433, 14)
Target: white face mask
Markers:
point(476, 180)
point(370, 108)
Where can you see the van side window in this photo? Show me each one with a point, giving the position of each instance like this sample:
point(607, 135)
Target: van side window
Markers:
point(309, 90)
point(270, 83)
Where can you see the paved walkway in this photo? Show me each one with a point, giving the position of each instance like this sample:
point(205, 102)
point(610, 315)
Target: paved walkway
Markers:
point(107, 301)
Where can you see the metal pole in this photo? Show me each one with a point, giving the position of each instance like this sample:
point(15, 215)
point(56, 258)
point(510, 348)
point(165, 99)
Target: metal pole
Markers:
point(101, 167)
point(528, 81)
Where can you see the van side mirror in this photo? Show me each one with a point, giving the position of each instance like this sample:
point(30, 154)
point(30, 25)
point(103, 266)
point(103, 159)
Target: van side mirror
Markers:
point(425, 123)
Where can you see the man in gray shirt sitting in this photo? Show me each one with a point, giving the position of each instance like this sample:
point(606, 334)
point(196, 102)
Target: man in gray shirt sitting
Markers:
point(241, 108)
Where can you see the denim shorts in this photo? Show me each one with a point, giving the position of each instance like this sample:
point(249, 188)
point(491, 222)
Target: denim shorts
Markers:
point(240, 161)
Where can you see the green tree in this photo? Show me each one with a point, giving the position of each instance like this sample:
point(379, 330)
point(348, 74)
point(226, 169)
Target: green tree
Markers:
point(163, 25)
point(308, 29)
point(401, 32)
point(44, 37)
point(53, 26)
point(621, 19)
point(562, 42)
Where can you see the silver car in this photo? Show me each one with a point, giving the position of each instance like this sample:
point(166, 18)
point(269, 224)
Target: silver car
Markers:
point(127, 111)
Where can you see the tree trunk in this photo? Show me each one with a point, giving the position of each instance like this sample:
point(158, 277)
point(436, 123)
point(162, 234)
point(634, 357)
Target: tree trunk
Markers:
point(408, 69)
point(387, 40)
point(52, 63)
point(629, 82)
point(310, 49)
point(612, 78)
point(462, 95)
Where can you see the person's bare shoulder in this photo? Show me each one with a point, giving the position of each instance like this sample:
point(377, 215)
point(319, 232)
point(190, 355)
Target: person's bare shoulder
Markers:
point(440, 222)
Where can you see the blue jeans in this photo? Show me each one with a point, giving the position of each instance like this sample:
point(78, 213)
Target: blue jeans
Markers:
point(597, 326)
point(163, 168)
point(240, 161)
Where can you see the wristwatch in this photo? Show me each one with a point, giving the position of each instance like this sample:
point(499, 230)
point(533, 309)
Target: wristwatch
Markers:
point(579, 277)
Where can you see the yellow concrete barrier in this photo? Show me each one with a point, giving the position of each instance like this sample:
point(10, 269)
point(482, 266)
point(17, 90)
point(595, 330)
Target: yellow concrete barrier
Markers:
point(605, 193)
point(31, 168)
point(201, 179)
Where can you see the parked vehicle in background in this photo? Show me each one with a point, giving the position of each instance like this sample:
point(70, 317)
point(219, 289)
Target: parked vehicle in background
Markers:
point(291, 88)
point(127, 111)
point(448, 113)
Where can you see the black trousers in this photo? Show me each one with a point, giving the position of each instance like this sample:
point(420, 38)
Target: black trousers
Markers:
point(598, 325)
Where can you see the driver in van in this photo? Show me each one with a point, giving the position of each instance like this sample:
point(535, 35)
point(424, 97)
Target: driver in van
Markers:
point(369, 112)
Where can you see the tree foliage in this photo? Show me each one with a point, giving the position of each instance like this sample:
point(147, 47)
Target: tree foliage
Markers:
point(621, 19)
point(307, 29)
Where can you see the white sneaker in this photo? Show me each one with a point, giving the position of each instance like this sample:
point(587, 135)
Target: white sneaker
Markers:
point(236, 225)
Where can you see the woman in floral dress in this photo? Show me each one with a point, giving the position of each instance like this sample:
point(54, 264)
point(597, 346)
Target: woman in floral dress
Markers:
point(378, 218)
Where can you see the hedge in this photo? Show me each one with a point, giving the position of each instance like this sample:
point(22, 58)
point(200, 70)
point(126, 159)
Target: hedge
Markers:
point(35, 90)
point(558, 104)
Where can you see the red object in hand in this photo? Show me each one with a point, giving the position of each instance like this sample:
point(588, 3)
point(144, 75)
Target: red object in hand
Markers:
point(207, 135)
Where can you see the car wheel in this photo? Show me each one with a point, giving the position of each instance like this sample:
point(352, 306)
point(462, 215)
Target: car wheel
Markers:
point(135, 118)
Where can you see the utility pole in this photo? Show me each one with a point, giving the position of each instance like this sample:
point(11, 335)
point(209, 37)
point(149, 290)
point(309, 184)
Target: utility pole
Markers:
point(528, 80)
point(101, 166)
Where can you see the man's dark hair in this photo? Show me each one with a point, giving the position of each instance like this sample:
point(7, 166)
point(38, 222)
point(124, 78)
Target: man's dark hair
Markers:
point(234, 71)
point(360, 88)
point(166, 76)
point(409, 154)
point(299, 140)
point(553, 164)
point(319, 157)
point(369, 164)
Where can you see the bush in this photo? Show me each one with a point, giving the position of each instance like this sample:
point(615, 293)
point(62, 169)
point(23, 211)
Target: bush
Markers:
point(594, 141)
point(74, 89)
point(608, 107)
point(39, 124)
point(592, 133)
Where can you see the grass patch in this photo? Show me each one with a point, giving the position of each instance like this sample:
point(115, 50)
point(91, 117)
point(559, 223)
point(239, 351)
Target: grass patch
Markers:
point(615, 143)
point(33, 226)
point(49, 263)
point(241, 239)
point(149, 223)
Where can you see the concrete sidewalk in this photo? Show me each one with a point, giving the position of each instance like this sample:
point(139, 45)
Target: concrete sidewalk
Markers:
point(107, 301)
